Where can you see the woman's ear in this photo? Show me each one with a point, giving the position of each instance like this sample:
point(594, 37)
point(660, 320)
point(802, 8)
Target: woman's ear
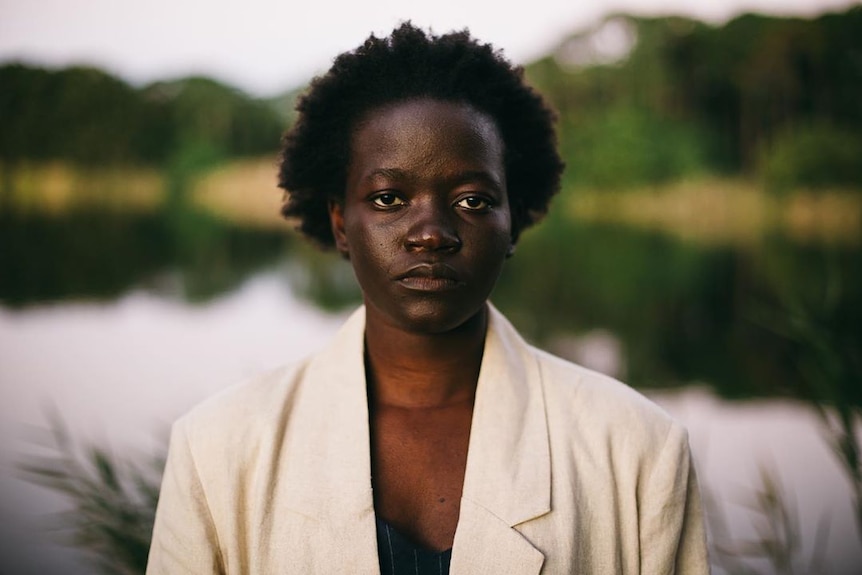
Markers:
point(336, 221)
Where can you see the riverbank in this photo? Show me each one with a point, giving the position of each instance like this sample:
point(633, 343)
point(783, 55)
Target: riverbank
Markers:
point(708, 210)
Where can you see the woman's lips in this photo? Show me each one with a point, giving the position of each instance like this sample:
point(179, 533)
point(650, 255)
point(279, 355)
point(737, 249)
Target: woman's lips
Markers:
point(429, 284)
point(430, 278)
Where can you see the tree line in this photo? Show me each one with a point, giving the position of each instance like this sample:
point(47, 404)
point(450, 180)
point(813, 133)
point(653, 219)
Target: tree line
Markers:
point(776, 98)
point(641, 100)
point(88, 117)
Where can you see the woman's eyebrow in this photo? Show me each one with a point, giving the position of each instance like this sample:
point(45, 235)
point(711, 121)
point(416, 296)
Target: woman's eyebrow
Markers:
point(476, 176)
point(453, 180)
point(390, 173)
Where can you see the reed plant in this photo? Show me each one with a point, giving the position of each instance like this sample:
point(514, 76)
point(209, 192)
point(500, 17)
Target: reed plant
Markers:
point(113, 501)
point(777, 545)
point(825, 352)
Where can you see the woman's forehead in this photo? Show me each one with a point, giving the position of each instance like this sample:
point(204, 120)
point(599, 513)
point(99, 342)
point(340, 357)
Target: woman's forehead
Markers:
point(416, 137)
point(427, 113)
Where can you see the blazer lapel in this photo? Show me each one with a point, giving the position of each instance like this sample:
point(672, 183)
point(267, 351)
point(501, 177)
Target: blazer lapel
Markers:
point(508, 477)
point(326, 463)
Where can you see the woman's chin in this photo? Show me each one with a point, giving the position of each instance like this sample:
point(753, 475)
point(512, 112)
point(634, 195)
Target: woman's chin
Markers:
point(429, 317)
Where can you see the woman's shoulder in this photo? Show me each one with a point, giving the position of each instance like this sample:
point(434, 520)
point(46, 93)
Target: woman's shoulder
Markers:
point(599, 405)
point(244, 409)
point(262, 409)
point(579, 396)
point(577, 381)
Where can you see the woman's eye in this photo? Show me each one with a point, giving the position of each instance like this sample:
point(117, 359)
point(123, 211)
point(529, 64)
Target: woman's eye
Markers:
point(474, 203)
point(387, 200)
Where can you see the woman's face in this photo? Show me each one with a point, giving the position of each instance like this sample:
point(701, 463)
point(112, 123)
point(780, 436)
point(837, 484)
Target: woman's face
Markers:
point(425, 219)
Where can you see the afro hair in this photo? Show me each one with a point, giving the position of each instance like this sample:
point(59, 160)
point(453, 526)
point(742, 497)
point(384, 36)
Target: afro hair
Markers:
point(411, 64)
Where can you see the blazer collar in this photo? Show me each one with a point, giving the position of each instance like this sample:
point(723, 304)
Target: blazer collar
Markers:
point(507, 478)
point(508, 462)
point(328, 468)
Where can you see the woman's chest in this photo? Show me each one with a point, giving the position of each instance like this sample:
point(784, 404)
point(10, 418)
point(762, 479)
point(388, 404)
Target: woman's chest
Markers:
point(418, 465)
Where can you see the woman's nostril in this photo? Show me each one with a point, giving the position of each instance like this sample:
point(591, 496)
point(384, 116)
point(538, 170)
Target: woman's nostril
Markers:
point(434, 238)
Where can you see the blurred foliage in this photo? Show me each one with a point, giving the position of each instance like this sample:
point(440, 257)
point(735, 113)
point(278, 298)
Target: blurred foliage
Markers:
point(659, 98)
point(81, 115)
point(641, 100)
point(85, 116)
point(815, 156)
point(113, 501)
point(623, 146)
point(806, 301)
point(821, 342)
point(216, 118)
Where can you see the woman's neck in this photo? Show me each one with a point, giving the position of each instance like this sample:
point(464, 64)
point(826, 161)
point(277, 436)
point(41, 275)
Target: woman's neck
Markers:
point(417, 371)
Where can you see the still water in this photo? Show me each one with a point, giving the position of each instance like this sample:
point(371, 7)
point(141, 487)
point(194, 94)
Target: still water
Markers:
point(121, 323)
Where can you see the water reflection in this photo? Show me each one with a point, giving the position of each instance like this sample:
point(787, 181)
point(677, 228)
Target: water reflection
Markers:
point(94, 255)
point(679, 311)
point(683, 311)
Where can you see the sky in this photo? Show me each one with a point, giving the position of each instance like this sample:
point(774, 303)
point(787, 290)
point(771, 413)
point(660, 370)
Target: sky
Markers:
point(267, 46)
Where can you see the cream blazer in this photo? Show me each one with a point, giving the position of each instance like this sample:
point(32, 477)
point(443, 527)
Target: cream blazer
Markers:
point(568, 471)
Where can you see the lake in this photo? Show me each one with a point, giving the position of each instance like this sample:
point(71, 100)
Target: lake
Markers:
point(120, 322)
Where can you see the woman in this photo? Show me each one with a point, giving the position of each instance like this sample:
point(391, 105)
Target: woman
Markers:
point(428, 437)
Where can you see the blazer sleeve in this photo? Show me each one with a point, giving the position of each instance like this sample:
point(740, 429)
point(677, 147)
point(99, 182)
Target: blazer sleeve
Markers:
point(673, 540)
point(184, 535)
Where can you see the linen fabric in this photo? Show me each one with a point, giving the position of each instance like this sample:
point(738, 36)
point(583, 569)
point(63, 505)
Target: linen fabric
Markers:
point(568, 471)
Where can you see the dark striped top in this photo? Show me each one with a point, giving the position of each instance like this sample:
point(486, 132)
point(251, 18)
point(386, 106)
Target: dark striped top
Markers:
point(400, 556)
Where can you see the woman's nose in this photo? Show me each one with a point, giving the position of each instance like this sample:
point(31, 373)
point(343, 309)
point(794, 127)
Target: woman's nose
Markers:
point(432, 230)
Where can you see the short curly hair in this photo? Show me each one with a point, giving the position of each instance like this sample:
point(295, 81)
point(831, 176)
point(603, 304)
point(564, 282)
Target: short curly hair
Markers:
point(411, 64)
